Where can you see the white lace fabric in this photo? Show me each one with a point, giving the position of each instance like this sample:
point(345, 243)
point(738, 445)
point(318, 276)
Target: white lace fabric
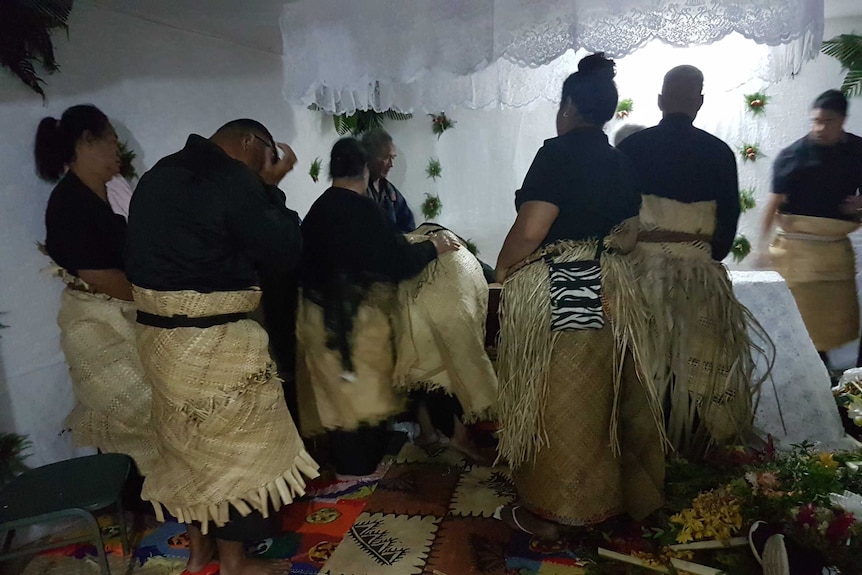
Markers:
point(419, 55)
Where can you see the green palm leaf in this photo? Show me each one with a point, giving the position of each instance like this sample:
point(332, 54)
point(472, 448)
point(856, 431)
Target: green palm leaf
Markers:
point(847, 49)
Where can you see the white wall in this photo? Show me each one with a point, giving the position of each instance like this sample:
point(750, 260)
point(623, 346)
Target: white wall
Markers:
point(159, 84)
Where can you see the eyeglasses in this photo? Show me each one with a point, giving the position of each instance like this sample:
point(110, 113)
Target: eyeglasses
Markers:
point(265, 143)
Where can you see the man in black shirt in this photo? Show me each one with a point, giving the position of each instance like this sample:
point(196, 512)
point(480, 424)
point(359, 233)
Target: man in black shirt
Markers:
point(678, 161)
point(206, 224)
point(815, 200)
point(381, 152)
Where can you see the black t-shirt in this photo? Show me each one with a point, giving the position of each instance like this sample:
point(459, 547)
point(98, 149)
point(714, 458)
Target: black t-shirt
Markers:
point(678, 161)
point(201, 220)
point(346, 237)
point(817, 179)
point(82, 231)
point(587, 179)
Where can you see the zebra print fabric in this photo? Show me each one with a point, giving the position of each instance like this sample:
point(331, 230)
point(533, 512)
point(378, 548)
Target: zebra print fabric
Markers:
point(576, 295)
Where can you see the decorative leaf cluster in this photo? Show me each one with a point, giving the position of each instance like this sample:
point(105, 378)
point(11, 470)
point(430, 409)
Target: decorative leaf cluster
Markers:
point(741, 248)
point(362, 121)
point(314, 170)
point(746, 200)
point(750, 152)
point(440, 123)
point(431, 207)
point(756, 102)
point(127, 155)
point(624, 108)
point(434, 170)
point(847, 49)
point(25, 37)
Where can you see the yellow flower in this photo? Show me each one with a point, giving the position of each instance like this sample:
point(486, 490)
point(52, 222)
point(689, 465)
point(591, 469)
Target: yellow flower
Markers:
point(827, 461)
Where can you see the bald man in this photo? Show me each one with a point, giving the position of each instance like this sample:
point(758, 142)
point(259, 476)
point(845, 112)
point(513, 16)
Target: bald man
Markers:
point(678, 161)
point(688, 220)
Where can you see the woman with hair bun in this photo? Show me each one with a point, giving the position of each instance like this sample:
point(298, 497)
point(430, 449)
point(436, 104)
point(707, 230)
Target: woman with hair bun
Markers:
point(581, 433)
point(86, 241)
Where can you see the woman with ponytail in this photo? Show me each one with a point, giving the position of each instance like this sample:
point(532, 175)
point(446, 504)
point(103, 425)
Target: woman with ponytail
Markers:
point(581, 433)
point(86, 241)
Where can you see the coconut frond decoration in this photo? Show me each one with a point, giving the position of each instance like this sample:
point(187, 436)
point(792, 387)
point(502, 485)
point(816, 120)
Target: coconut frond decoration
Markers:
point(314, 170)
point(750, 152)
point(741, 248)
point(12, 456)
point(847, 49)
point(440, 123)
point(431, 207)
point(746, 199)
point(625, 108)
point(756, 102)
point(127, 155)
point(361, 121)
point(434, 170)
point(25, 37)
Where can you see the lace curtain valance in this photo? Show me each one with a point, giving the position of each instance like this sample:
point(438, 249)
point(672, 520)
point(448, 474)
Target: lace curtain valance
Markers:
point(421, 55)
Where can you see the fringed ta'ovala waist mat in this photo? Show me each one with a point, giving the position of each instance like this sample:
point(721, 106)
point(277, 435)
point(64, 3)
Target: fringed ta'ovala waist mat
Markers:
point(223, 429)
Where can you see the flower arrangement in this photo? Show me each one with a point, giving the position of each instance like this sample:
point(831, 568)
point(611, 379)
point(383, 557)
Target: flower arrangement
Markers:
point(314, 170)
point(625, 108)
point(756, 102)
point(750, 152)
point(431, 207)
point(434, 170)
point(806, 495)
point(741, 248)
point(440, 123)
point(746, 199)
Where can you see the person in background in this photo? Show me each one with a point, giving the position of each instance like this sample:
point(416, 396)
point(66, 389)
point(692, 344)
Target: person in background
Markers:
point(696, 328)
point(816, 203)
point(85, 240)
point(626, 131)
point(381, 152)
point(576, 424)
point(205, 225)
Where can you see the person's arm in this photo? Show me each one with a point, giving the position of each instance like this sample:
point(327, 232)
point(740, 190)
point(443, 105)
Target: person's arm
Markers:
point(727, 208)
point(767, 223)
point(531, 227)
point(112, 282)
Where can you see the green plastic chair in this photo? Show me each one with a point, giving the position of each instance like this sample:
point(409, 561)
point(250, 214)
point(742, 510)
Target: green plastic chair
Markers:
point(75, 488)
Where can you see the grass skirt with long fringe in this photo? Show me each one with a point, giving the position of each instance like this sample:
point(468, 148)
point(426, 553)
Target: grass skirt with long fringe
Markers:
point(815, 258)
point(112, 396)
point(696, 348)
point(224, 434)
point(579, 429)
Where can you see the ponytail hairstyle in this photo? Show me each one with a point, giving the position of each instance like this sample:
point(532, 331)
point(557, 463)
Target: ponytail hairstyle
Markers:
point(348, 159)
point(592, 90)
point(56, 139)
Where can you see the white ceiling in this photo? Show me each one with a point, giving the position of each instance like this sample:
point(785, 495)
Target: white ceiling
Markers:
point(255, 23)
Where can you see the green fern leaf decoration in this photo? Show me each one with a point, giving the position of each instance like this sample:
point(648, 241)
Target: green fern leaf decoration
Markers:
point(431, 207)
point(746, 199)
point(847, 49)
point(741, 248)
point(434, 170)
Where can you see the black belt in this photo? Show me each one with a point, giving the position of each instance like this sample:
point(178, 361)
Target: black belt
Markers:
point(176, 321)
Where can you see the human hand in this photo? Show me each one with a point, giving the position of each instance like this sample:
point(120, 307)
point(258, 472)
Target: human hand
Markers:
point(444, 242)
point(273, 171)
point(851, 205)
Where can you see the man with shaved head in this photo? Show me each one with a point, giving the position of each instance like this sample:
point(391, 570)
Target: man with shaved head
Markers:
point(688, 221)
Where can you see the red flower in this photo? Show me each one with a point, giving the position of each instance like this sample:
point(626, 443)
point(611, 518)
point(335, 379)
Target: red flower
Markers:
point(807, 516)
point(837, 529)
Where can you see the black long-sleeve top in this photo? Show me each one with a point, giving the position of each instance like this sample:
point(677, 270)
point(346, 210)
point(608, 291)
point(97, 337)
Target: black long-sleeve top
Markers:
point(678, 161)
point(201, 220)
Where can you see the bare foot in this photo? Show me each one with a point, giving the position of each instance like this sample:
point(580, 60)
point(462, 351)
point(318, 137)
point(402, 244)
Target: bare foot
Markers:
point(202, 549)
point(520, 519)
point(258, 567)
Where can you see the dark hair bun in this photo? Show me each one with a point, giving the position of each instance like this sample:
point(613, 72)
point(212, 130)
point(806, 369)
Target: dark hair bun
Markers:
point(596, 64)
